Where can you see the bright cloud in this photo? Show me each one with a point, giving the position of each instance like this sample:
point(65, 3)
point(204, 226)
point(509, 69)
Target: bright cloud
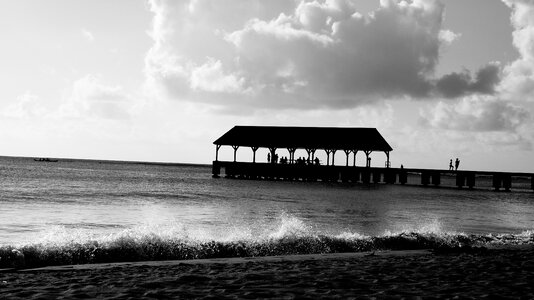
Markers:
point(303, 54)
point(90, 98)
point(518, 82)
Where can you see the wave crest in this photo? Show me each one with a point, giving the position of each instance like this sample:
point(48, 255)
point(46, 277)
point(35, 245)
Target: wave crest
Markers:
point(292, 236)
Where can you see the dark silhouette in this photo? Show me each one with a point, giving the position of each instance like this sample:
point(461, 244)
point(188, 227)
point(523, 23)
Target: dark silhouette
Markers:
point(45, 159)
point(268, 157)
point(317, 161)
point(457, 164)
point(450, 166)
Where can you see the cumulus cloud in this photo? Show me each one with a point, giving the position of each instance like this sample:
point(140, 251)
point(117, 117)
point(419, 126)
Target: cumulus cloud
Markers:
point(476, 114)
point(210, 77)
point(518, 81)
point(302, 54)
point(91, 98)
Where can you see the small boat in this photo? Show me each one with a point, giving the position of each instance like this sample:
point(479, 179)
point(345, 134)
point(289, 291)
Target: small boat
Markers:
point(45, 159)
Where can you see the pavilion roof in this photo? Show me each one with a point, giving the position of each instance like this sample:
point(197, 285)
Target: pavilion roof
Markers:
point(338, 138)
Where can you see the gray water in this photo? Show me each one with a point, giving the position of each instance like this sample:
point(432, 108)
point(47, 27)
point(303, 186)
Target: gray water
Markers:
point(79, 200)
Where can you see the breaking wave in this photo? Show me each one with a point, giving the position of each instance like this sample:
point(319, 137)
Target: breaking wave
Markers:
point(292, 236)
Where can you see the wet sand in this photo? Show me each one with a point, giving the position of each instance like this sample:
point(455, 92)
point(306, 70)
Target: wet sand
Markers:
point(396, 274)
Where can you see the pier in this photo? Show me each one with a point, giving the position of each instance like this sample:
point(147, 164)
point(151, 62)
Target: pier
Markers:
point(350, 141)
point(500, 181)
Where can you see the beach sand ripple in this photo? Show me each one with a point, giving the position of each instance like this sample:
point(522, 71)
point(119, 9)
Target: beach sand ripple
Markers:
point(500, 273)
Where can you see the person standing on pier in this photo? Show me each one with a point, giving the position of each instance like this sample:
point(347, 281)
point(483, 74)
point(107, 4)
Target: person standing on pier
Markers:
point(457, 164)
point(450, 166)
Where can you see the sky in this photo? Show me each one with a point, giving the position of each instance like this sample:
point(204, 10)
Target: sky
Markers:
point(160, 80)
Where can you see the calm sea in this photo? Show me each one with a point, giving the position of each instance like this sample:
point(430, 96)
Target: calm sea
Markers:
point(75, 211)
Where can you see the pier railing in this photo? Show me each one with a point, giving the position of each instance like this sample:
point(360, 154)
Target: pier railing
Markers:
point(367, 175)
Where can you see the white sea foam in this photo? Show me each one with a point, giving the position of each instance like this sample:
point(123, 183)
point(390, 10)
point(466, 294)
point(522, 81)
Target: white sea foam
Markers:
point(290, 226)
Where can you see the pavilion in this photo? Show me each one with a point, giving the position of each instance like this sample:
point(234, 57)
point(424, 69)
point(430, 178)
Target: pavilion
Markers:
point(330, 139)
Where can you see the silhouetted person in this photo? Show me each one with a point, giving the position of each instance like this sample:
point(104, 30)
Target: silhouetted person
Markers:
point(402, 167)
point(457, 163)
point(316, 161)
point(268, 157)
point(276, 158)
point(450, 166)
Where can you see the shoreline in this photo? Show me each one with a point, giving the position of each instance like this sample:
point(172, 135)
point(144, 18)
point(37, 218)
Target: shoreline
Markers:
point(230, 260)
point(492, 273)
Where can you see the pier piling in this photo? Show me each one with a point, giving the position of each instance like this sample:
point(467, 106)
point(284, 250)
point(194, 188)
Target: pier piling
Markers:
point(403, 177)
point(390, 176)
point(460, 179)
point(377, 176)
point(367, 175)
point(470, 180)
point(425, 178)
point(436, 178)
point(507, 182)
point(497, 181)
point(215, 169)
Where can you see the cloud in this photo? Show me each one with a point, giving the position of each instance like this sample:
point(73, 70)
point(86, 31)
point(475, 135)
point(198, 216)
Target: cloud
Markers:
point(27, 106)
point(448, 37)
point(210, 77)
point(459, 84)
point(518, 81)
point(302, 54)
point(90, 98)
point(482, 114)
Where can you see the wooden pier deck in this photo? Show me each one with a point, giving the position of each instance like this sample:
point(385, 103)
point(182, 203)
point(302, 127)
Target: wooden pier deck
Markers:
point(428, 177)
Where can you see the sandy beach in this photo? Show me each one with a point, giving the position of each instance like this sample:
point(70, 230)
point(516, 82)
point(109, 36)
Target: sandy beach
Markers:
point(395, 274)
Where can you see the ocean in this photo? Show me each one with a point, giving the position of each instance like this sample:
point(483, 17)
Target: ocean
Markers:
point(83, 211)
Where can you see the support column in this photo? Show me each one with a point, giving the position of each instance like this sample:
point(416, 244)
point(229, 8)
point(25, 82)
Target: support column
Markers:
point(311, 154)
point(254, 149)
point(273, 152)
point(235, 151)
point(367, 161)
point(327, 156)
point(291, 154)
point(347, 152)
point(333, 156)
point(217, 147)
point(388, 164)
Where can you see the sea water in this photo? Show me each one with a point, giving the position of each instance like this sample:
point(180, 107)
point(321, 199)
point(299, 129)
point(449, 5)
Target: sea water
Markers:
point(82, 211)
